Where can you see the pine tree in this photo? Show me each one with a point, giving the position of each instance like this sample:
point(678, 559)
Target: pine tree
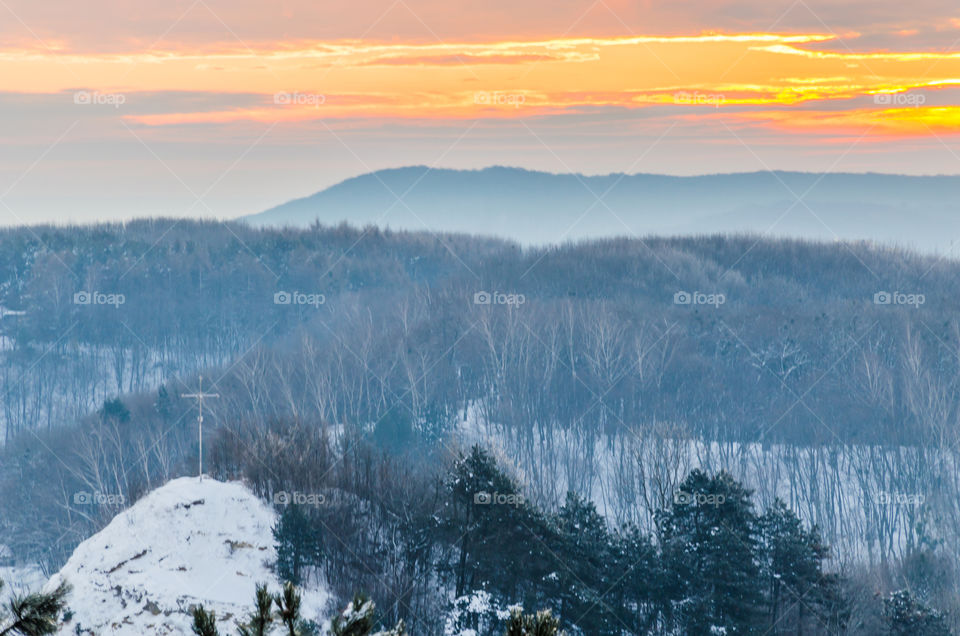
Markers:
point(583, 557)
point(494, 530)
point(792, 564)
point(709, 544)
point(905, 615)
point(204, 622)
point(34, 614)
point(115, 410)
point(261, 618)
point(635, 572)
point(288, 609)
point(356, 619)
point(298, 544)
point(164, 405)
point(541, 624)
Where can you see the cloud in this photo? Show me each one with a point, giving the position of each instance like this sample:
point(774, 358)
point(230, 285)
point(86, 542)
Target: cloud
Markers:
point(125, 26)
point(451, 60)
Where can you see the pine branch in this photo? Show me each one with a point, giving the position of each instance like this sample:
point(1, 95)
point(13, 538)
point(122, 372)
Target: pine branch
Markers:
point(36, 614)
point(288, 607)
point(204, 622)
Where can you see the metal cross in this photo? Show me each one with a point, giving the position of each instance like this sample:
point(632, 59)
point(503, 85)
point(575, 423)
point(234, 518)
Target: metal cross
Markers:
point(200, 396)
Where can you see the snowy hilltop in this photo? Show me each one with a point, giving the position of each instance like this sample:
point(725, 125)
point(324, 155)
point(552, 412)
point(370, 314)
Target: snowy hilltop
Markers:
point(189, 542)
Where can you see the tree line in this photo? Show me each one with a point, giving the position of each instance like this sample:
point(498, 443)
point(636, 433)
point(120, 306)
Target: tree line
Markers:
point(713, 565)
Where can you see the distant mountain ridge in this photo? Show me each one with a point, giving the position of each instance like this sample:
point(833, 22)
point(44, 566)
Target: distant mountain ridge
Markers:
point(539, 208)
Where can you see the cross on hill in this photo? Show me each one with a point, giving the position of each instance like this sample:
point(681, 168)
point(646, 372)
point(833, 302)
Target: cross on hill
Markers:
point(200, 396)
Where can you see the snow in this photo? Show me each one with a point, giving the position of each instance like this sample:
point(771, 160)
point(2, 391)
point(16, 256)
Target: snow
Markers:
point(851, 492)
point(186, 543)
point(475, 613)
point(18, 580)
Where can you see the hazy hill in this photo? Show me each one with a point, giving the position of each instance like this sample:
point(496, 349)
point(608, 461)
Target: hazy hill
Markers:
point(539, 207)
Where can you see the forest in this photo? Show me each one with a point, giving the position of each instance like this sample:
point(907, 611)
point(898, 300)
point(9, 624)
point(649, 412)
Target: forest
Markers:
point(783, 461)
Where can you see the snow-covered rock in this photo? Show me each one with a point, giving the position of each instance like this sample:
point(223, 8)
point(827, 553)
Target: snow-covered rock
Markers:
point(189, 542)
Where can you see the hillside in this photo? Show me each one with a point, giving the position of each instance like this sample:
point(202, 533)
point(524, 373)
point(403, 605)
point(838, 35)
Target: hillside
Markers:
point(185, 543)
point(538, 207)
point(825, 374)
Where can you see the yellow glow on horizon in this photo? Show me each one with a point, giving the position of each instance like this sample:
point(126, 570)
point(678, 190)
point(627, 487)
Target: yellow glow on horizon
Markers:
point(372, 79)
point(906, 122)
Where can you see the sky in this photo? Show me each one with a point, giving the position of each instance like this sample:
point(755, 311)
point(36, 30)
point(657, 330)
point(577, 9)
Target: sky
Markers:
point(115, 109)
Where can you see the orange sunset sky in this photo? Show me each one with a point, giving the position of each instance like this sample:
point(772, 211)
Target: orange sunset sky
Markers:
point(115, 109)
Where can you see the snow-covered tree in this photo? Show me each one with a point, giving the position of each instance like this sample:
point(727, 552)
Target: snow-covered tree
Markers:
point(357, 619)
point(540, 624)
point(905, 615)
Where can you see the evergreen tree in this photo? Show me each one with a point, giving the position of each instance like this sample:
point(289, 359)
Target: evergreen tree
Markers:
point(582, 560)
point(288, 609)
point(905, 615)
point(164, 405)
point(709, 544)
point(204, 622)
point(541, 624)
point(357, 620)
point(635, 572)
point(34, 614)
point(792, 564)
point(298, 545)
point(262, 618)
point(492, 527)
point(115, 410)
